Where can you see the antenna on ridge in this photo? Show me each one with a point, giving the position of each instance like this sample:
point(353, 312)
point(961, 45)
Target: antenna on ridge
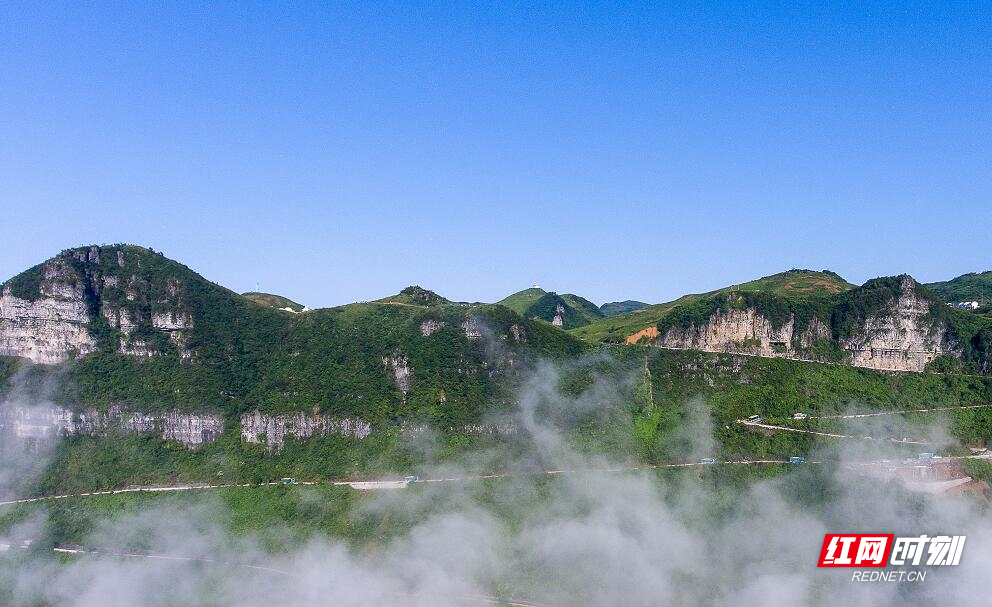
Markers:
point(258, 286)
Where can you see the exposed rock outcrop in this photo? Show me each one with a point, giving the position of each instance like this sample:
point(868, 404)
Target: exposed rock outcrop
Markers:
point(49, 422)
point(899, 336)
point(471, 328)
point(48, 330)
point(744, 331)
point(402, 371)
point(431, 326)
point(502, 428)
point(57, 312)
point(257, 427)
point(492, 429)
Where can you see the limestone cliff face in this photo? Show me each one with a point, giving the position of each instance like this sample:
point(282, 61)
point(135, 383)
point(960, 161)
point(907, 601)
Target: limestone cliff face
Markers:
point(52, 327)
point(429, 327)
point(471, 328)
point(503, 428)
point(402, 371)
point(257, 427)
point(75, 293)
point(900, 336)
point(743, 331)
point(49, 422)
point(52, 421)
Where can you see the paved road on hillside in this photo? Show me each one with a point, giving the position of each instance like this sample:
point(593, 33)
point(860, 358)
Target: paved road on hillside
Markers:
point(899, 412)
point(819, 362)
point(373, 485)
point(830, 434)
point(861, 415)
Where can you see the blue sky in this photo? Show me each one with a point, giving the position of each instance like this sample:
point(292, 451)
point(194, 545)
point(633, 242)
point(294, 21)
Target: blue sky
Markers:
point(337, 152)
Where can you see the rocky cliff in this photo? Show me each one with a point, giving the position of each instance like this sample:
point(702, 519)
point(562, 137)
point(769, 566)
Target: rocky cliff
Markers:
point(48, 330)
point(52, 421)
point(53, 324)
point(746, 331)
point(895, 333)
point(272, 430)
point(64, 307)
point(902, 336)
point(49, 422)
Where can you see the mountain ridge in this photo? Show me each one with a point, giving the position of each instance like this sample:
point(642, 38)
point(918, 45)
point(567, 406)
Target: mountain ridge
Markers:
point(133, 301)
point(174, 372)
point(796, 283)
point(973, 286)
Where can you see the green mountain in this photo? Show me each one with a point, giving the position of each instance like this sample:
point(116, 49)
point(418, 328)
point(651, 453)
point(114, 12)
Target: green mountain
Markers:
point(567, 311)
point(967, 287)
point(792, 285)
point(154, 374)
point(585, 308)
point(139, 329)
point(615, 308)
point(415, 296)
point(274, 301)
point(124, 331)
point(520, 301)
point(890, 323)
point(139, 348)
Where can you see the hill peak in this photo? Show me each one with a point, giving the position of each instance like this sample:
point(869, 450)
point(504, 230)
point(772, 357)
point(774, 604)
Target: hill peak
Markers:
point(415, 295)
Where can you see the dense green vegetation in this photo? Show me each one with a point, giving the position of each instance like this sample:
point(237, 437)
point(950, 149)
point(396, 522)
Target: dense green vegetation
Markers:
point(547, 308)
point(974, 286)
point(521, 300)
point(540, 304)
point(615, 308)
point(585, 308)
point(244, 356)
point(735, 387)
point(27, 284)
point(283, 518)
point(467, 364)
point(331, 359)
point(680, 406)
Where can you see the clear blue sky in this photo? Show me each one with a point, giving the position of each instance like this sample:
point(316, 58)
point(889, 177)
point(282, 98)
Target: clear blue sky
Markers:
point(339, 152)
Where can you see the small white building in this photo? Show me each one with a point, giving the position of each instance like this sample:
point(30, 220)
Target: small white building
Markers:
point(966, 305)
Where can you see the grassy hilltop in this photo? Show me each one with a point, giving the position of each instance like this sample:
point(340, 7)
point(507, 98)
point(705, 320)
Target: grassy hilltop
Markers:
point(274, 301)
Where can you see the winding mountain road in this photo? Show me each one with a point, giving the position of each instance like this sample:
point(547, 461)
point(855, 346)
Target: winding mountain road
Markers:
point(373, 485)
point(858, 416)
point(386, 484)
point(899, 412)
point(830, 434)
